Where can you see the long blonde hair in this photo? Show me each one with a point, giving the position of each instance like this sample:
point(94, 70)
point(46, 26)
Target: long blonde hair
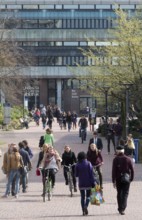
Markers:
point(130, 142)
point(95, 148)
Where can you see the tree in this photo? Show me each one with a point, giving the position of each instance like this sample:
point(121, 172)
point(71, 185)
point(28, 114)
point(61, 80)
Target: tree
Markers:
point(12, 59)
point(119, 62)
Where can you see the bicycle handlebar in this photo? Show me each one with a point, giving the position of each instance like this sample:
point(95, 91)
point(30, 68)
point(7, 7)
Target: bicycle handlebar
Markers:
point(70, 165)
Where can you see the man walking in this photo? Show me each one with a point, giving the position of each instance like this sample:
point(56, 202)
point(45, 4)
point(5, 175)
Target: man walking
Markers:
point(122, 167)
point(96, 140)
point(110, 134)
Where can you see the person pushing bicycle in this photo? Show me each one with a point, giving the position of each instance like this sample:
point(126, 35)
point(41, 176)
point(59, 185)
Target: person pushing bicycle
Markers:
point(69, 158)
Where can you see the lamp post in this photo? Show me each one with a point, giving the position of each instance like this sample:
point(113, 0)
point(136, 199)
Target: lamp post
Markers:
point(106, 89)
point(127, 88)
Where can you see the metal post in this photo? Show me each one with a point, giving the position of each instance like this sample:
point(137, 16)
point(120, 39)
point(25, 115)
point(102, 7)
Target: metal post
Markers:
point(127, 111)
point(23, 103)
point(35, 97)
point(106, 108)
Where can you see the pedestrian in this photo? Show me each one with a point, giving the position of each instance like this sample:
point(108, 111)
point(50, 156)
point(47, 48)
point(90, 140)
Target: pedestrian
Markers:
point(49, 137)
point(69, 120)
point(50, 117)
point(117, 132)
point(122, 167)
point(6, 157)
point(27, 166)
point(64, 120)
point(74, 120)
point(96, 140)
point(110, 134)
point(69, 158)
point(129, 149)
point(96, 159)
point(27, 148)
point(86, 181)
point(13, 166)
point(43, 119)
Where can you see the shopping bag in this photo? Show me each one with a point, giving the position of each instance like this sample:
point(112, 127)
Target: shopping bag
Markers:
point(96, 197)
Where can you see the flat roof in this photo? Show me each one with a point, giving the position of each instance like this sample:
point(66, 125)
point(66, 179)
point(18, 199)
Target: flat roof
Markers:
point(70, 2)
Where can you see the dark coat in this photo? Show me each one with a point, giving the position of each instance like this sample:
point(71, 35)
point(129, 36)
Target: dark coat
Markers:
point(99, 143)
point(84, 172)
point(94, 157)
point(122, 164)
point(68, 158)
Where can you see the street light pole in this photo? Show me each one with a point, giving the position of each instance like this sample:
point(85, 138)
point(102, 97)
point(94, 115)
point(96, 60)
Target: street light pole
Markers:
point(106, 89)
point(127, 88)
point(127, 111)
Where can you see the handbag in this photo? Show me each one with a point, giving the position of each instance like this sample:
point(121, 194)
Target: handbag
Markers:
point(125, 178)
point(37, 172)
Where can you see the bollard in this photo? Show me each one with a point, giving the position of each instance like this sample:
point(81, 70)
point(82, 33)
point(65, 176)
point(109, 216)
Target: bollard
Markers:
point(136, 142)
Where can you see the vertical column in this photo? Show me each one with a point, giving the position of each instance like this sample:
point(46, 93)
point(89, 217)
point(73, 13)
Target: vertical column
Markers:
point(59, 92)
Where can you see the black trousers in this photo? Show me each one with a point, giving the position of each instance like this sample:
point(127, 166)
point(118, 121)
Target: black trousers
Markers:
point(110, 138)
point(122, 195)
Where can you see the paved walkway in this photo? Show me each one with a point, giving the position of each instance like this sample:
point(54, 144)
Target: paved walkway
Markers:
point(30, 206)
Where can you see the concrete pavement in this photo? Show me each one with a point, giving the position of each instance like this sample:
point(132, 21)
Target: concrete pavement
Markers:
point(30, 205)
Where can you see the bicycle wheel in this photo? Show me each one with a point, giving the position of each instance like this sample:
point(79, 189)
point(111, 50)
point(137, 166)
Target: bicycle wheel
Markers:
point(82, 137)
point(49, 191)
point(70, 184)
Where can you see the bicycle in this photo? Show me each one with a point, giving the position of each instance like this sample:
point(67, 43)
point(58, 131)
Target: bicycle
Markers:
point(82, 135)
point(47, 184)
point(70, 178)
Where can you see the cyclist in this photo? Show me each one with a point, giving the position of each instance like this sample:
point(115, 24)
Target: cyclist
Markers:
point(96, 159)
point(83, 124)
point(52, 162)
point(68, 157)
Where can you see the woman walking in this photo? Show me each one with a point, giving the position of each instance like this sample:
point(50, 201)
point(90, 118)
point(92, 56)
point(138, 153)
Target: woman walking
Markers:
point(84, 172)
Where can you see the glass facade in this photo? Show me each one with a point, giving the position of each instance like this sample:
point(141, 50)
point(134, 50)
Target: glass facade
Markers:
point(53, 31)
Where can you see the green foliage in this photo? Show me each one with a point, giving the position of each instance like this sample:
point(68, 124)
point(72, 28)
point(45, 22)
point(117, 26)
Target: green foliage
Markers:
point(16, 114)
point(1, 114)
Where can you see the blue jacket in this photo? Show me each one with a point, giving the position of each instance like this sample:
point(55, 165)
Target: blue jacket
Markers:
point(84, 172)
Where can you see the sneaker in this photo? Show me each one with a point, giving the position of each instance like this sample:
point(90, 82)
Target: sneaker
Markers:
point(16, 196)
point(66, 182)
point(5, 196)
point(75, 189)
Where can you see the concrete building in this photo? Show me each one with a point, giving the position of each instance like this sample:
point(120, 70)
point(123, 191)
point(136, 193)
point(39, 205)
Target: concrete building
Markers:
point(54, 30)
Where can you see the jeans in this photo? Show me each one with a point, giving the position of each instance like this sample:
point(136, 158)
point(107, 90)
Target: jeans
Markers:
point(122, 195)
point(117, 140)
point(69, 125)
point(24, 179)
point(85, 197)
point(85, 131)
point(13, 174)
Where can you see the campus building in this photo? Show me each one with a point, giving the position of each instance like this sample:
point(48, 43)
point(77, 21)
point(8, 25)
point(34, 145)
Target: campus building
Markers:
point(54, 30)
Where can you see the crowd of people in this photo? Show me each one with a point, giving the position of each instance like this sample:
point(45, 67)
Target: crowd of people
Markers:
point(17, 160)
point(66, 120)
